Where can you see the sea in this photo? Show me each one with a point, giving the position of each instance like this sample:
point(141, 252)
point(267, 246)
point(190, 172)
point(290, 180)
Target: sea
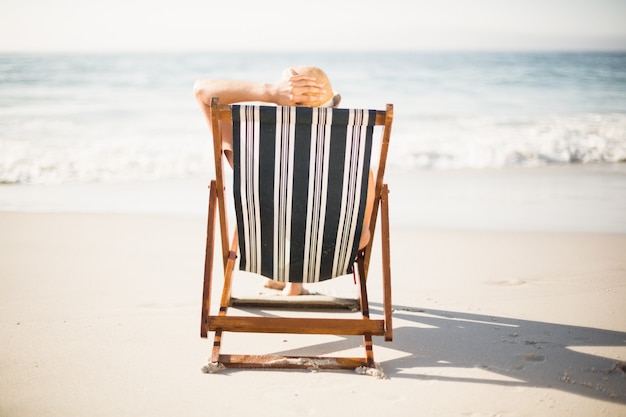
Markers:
point(505, 141)
point(84, 118)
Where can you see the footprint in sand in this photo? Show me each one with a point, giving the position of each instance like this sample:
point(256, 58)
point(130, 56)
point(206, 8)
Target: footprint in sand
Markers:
point(526, 359)
point(532, 357)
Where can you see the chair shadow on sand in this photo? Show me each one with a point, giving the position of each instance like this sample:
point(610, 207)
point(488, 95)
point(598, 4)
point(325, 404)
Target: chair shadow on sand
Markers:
point(480, 349)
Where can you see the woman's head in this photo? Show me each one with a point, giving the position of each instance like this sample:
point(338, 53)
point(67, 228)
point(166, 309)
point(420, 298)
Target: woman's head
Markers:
point(330, 98)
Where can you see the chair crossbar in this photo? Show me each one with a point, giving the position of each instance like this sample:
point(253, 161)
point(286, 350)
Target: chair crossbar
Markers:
point(346, 327)
point(291, 362)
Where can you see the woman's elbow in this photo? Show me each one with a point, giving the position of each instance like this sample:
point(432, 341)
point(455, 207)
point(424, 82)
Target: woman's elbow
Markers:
point(198, 90)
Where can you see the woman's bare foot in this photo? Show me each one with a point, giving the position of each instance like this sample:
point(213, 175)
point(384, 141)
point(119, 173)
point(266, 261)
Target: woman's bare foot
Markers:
point(274, 285)
point(295, 288)
point(288, 288)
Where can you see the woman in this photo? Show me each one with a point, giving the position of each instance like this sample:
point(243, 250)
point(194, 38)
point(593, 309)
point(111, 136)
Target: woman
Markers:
point(299, 86)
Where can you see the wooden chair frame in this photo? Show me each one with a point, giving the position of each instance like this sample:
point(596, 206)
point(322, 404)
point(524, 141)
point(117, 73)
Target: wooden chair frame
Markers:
point(222, 322)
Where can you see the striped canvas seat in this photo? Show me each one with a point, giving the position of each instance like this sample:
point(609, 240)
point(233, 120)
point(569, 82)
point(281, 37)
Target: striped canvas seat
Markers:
point(300, 188)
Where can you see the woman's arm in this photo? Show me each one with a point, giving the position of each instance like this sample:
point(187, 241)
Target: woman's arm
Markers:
point(291, 90)
point(297, 89)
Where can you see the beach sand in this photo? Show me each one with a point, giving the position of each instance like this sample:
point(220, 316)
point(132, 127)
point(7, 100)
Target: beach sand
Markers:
point(508, 302)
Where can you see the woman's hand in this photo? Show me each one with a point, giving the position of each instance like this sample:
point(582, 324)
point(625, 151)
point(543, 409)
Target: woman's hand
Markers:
point(298, 90)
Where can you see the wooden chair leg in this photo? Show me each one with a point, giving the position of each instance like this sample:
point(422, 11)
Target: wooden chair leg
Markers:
point(369, 350)
point(226, 295)
point(217, 345)
point(365, 311)
point(386, 260)
point(208, 261)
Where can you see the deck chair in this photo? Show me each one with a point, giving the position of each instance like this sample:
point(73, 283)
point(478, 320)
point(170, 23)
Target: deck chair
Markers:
point(300, 179)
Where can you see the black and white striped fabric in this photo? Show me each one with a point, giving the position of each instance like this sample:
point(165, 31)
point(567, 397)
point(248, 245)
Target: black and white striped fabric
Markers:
point(300, 187)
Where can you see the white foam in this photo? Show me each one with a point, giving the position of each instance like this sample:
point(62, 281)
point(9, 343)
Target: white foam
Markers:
point(109, 154)
point(491, 142)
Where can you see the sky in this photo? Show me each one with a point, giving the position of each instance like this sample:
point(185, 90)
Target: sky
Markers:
point(238, 25)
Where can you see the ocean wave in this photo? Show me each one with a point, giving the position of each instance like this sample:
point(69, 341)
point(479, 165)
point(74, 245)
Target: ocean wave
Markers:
point(31, 163)
point(491, 142)
point(436, 143)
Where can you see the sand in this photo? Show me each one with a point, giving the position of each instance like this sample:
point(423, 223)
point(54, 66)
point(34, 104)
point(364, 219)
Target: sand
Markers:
point(99, 316)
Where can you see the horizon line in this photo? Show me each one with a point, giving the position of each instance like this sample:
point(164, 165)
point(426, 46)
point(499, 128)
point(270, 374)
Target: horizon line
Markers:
point(305, 51)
